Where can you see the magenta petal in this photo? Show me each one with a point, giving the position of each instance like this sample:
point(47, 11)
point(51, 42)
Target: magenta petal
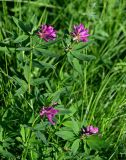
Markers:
point(49, 112)
point(80, 33)
point(95, 130)
point(47, 33)
point(89, 130)
point(42, 112)
point(50, 117)
point(54, 111)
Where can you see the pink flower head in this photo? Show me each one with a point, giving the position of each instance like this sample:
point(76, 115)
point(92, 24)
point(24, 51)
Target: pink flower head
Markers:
point(49, 112)
point(47, 32)
point(80, 33)
point(90, 130)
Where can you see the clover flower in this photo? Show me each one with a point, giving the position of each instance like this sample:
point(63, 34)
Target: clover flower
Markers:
point(80, 33)
point(89, 130)
point(49, 112)
point(47, 32)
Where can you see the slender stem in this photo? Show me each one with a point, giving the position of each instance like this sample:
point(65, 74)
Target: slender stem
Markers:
point(6, 64)
point(29, 80)
point(5, 13)
point(30, 66)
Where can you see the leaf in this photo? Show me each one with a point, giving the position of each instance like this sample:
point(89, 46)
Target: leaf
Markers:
point(75, 126)
point(6, 154)
point(21, 38)
point(41, 136)
point(21, 90)
point(68, 124)
point(22, 132)
point(39, 127)
point(23, 49)
point(44, 52)
point(42, 65)
point(95, 142)
point(82, 56)
point(61, 91)
point(62, 110)
point(16, 21)
point(53, 42)
point(19, 81)
point(77, 66)
point(27, 72)
point(23, 86)
point(66, 135)
point(38, 81)
point(75, 146)
point(72, 109)
point(97, 158)
point(19, 139)
point(6, 49)
point(21, 25)
point(81, 45)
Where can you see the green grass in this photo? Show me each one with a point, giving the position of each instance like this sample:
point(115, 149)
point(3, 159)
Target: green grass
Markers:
point(89, 91)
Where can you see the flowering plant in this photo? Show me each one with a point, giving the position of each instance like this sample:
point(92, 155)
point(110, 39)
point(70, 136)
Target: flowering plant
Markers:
point(41, 52)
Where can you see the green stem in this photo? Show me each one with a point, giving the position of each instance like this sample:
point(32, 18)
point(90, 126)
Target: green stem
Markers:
point(30, 66)
point(35, 120)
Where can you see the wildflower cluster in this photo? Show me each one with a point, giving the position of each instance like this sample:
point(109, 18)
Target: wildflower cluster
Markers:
point(79, 33)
